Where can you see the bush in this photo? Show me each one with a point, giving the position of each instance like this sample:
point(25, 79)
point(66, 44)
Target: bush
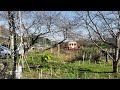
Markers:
point(88, 51)
point(46, 57)
point(37, 59)
point(34, 60)
point(96, 58)
point(93, 51)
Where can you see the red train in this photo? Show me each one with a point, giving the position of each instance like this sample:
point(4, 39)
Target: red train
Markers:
point(72, 45)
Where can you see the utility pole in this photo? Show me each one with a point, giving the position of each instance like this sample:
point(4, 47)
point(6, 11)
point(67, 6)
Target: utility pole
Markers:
point(21, 43)
point(13, 41)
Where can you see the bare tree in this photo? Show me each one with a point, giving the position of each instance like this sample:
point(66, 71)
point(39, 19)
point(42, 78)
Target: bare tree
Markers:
point(105, 24)
point(46, 23)
point(13, 40)
point(40, 24)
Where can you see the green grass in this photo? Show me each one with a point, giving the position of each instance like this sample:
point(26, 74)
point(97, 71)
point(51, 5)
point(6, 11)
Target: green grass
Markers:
point(72, 71)
point(57, 69)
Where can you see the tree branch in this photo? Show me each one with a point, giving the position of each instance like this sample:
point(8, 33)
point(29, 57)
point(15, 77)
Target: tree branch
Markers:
point(97, 32)
point(99, 46)
point(54, 45)
point(110, 30)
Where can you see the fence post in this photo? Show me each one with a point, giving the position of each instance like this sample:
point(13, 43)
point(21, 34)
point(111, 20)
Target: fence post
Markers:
point(51, 71)
point(95, 75)
point(77, 75)
point(86, 55)
point(79, 62)
point(83, 57)
point(38, 75)
point(109, 76)
point(85, 75)
point(58, 50)
point(106, 54)
point(90, 58)
point(41, 73)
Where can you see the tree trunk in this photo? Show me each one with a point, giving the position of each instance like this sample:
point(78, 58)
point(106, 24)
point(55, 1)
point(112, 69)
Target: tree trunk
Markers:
point(106, 57)
point(115, 67)
point(116, 56)
point(13, 41)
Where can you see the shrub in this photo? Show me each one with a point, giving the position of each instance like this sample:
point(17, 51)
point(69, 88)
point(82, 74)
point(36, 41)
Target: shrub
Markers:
point(37, 59)
point(34, 60)
point(87, 52)
point(46, 57)
point(96, 58)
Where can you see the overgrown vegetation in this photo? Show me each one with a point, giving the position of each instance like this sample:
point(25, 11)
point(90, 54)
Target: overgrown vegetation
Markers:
point(55, 68)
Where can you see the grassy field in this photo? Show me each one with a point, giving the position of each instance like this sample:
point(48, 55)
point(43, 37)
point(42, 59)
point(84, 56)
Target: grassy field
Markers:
point(58, 68)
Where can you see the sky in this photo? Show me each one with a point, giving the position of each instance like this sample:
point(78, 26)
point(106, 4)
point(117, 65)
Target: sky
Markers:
point(57, 36)
point(70, 15)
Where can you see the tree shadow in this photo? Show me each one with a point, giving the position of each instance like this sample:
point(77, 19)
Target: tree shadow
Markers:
point(53, 65)
point(91, 71)
point(85, 73)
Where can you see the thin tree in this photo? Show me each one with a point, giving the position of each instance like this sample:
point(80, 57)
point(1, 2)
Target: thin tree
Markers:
point(105, 25)
point(13, 40)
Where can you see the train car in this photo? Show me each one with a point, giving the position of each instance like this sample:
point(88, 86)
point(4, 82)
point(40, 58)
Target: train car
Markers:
point(72, 45)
